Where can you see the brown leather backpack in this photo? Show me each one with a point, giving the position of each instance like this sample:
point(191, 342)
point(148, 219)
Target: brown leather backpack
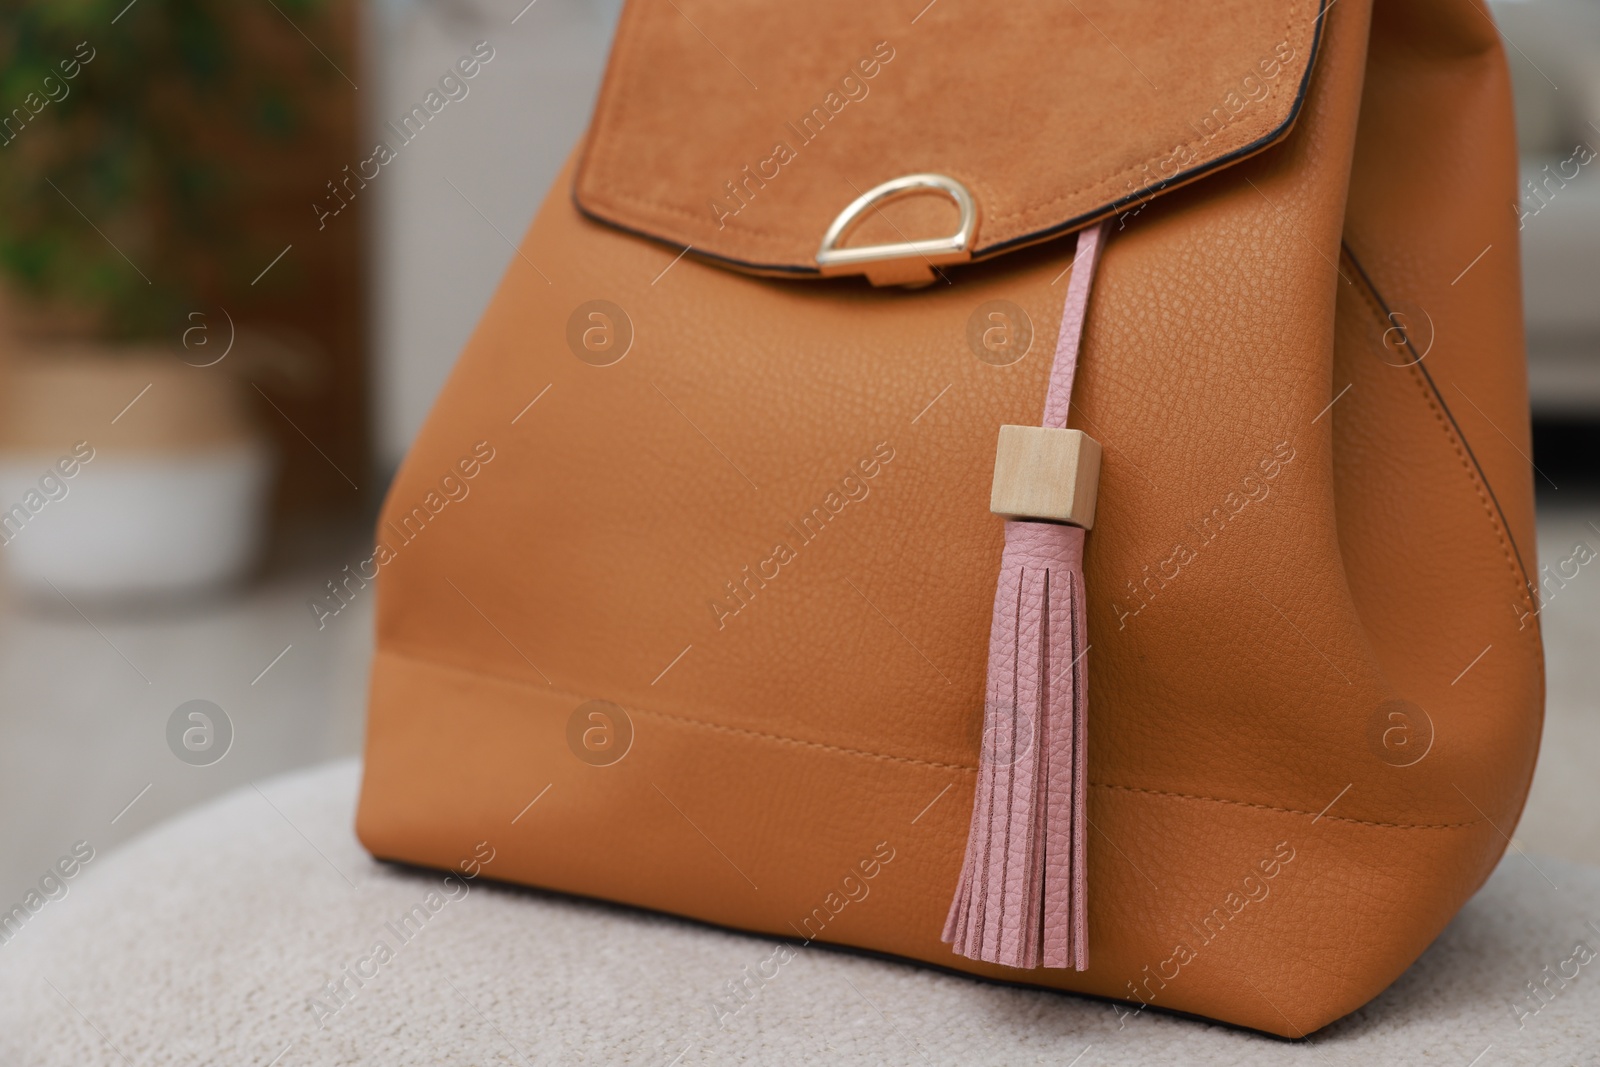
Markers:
point(687, 584)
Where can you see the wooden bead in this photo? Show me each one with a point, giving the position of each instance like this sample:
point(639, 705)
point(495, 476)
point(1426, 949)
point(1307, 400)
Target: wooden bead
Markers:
point(1045, 473)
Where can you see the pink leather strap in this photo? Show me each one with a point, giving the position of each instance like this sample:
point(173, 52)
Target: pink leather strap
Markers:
point(1021, 900)
point(1065, 367)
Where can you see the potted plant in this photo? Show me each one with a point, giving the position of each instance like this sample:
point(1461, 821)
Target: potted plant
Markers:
point(132, 141)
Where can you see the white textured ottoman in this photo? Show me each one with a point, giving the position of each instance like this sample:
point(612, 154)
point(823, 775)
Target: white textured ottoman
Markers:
point(246, 933)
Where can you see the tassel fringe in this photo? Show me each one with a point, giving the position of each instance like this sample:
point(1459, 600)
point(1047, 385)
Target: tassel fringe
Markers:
point(1021, 898)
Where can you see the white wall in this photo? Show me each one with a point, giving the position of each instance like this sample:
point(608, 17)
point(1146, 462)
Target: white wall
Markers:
point(1553, 47)
point(436, 259)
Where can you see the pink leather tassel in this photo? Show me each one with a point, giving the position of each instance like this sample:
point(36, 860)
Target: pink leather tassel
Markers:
point(1021, 900)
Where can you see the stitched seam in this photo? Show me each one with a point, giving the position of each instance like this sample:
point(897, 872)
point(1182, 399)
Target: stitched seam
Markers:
point(1289, 24)
point(619, 196)
point(614, 196)
point(781, 739)
point(699, 217)
point(1472, 475)
point(606, 123)
point(1461, 453)
point(1292, 811)
point(682, 719)
point(909, 760)
point(1110, 181)
point(609, 103)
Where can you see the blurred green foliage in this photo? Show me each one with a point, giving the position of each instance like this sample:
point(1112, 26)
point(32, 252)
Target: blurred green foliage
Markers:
point(147, 147)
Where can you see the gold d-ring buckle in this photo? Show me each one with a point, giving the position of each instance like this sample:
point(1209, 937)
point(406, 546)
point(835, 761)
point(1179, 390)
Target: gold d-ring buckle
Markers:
point(904, 262)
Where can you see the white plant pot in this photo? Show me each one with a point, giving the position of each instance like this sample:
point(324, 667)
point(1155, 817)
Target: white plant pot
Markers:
point(134, 523)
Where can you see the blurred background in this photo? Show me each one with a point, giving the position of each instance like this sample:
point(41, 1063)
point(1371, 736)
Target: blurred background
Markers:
point(224, 315)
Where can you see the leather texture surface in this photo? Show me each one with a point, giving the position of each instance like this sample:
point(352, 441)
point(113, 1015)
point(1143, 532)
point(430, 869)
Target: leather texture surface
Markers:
point(744, 137)
point(762, 539)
